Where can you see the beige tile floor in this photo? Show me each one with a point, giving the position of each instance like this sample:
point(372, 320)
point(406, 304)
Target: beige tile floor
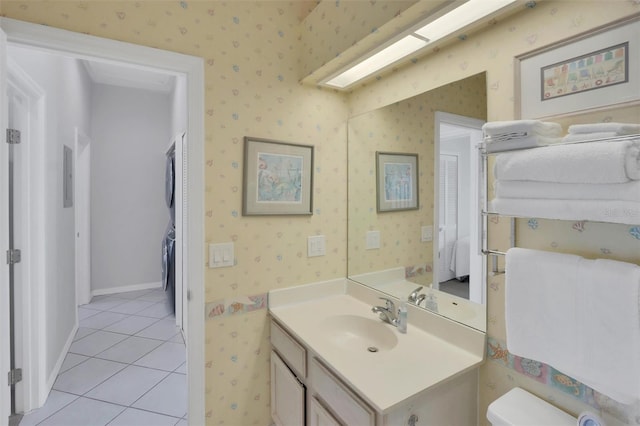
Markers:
point(125, 367)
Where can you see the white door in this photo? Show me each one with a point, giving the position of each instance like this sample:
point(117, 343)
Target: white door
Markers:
point(448, 227)
point(5, 392)
point(82, 205)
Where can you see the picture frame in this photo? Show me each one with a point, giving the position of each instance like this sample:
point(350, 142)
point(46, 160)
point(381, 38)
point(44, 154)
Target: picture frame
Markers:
point(278, 178)
point(396, 181)
point(595, 70)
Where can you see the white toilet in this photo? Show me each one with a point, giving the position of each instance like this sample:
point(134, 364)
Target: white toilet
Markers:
point(520, 408)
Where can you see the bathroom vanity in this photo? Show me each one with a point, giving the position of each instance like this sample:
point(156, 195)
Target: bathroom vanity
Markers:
point(334, 362)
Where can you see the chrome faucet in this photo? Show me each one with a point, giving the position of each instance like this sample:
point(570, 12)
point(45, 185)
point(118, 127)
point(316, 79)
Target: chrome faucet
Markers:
point(388, 313)
point(415, 296)
point(420, 299)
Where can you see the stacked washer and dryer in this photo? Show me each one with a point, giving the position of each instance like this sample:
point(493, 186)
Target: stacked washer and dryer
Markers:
point(169, 241)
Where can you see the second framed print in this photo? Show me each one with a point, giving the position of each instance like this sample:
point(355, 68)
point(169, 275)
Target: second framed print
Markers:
point(397, 181)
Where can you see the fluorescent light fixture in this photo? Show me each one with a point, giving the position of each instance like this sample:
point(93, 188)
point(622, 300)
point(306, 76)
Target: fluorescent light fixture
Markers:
point(467, 13)
point(460, 17)
point(398, 50)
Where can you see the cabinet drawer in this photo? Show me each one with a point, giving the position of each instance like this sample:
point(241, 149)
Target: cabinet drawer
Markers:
point(343, 402)
point(291, 351)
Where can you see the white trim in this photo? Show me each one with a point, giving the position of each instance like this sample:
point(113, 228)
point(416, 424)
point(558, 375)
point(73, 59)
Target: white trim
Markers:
point(30, 327)
point(474, 124)
point(82, 210)
point(56, 368)
point(95, 48)
point(5, 395)
point(126, 288)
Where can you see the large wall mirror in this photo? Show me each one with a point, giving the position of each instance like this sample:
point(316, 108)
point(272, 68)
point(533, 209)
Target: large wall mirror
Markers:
point(400, 250)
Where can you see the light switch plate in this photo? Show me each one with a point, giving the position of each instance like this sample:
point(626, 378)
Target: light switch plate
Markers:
point(316, 246)
point(427, 233)
point(373, 240)
point(221, 255)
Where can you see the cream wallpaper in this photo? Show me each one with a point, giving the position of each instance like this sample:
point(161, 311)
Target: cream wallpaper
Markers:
point(406, 127)
point(251, 52)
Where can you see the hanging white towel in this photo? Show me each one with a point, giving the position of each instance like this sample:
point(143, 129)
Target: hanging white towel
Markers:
point(619, 129)
point(590, 162)
point(580, 316)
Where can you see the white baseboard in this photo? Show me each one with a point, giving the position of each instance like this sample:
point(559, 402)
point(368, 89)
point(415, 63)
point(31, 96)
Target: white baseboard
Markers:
point(125, 288)
point(63, 354)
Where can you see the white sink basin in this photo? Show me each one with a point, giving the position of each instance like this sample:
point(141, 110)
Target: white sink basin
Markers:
point(356, 333)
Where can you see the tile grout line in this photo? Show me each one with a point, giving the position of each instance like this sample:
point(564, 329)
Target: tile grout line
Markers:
point(167, 374)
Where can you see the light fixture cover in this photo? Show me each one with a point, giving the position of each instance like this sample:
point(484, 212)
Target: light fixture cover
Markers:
point(398, 50)
point(463, 15)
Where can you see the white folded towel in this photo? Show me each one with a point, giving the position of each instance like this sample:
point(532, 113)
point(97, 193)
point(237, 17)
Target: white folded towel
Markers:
point(592, 162)
point(530, 127)
point(588, 137)
point(580, 316)
point(628, 191)
point(620, 129)
point(625, 212)
point(498, 145)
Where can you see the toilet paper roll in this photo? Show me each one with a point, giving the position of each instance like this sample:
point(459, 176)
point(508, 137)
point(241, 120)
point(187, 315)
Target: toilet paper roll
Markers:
point(589, 419)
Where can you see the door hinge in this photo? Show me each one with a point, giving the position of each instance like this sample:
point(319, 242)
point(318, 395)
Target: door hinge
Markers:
point(13, 136)
point(15, 376)
point(13, 256)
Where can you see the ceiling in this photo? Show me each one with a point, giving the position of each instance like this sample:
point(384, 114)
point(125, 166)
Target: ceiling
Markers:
point(129, 76)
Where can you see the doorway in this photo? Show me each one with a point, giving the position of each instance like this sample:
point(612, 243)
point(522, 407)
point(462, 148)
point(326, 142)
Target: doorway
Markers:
point(82, 46)
point(459, 269)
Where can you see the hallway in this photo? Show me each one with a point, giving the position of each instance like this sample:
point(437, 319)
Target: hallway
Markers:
point(126, 366)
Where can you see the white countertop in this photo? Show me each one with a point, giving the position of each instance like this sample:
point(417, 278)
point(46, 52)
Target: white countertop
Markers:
point(420, 360)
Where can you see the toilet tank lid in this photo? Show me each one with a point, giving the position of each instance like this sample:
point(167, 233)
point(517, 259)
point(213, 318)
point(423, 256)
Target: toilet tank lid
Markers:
point(520, 408)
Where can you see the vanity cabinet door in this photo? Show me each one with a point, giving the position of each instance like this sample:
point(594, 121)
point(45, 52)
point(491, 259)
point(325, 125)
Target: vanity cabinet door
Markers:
point(287, 395)
point(318, 416)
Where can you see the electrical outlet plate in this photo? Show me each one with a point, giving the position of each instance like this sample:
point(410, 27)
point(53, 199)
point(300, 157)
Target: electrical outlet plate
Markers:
point(373, 240)
point(316, 246)
point(221, 255)
point(427, 233)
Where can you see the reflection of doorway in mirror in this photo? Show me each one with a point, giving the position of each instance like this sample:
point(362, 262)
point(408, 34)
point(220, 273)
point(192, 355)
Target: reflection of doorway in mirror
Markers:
point(448, 217)
point(460, 268)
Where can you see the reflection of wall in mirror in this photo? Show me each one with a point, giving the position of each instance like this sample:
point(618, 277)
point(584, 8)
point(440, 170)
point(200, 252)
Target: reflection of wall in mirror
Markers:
point(406, 127)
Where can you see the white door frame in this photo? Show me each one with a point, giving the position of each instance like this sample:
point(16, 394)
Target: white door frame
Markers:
point(5, 393)
point(94, 48)
point(82, 215)
point(477, 266)
point(29, 327)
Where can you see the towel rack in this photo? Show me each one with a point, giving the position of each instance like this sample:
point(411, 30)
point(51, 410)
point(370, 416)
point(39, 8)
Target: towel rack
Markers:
point(483, 215)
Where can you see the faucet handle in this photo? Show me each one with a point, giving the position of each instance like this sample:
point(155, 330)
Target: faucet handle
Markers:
point(390, 305)
point(414, 294)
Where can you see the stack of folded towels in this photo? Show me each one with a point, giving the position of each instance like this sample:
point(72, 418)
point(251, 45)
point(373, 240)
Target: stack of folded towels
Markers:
point(595, 131)
point(519, 134)
point(590, 180)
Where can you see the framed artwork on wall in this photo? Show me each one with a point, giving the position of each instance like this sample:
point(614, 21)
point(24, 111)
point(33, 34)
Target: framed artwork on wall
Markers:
point(278, 178)
point(396, 181)
point(594, 70)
